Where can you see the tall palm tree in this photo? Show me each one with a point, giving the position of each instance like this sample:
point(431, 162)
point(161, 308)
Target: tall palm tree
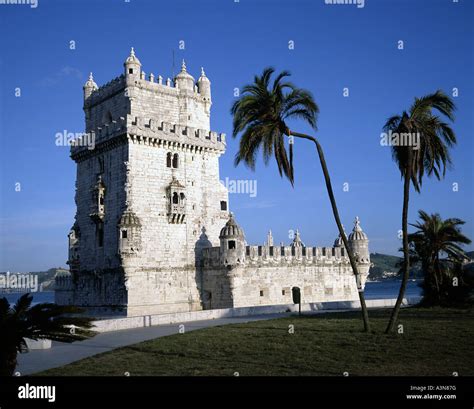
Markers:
point(433, 237)
point(41, 321)
point(431, 155)
point(260, 115)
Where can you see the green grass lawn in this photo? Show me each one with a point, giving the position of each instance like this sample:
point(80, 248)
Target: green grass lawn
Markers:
point(434, 342)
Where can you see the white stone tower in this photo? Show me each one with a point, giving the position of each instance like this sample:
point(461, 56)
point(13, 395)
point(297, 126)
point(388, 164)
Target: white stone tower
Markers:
point(148, 195)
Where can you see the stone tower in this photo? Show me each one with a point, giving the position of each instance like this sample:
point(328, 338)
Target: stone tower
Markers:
point(148, 195)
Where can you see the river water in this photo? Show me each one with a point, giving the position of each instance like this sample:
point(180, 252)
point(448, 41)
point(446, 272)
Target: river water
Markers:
point(373, 290)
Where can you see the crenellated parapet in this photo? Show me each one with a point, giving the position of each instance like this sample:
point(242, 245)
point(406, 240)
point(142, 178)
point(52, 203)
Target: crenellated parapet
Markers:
point(153, 131)
point(280, 256)
point(105, 91)
point(134, 80)
point(160, 85)
point(275, 256)
point(149, 131)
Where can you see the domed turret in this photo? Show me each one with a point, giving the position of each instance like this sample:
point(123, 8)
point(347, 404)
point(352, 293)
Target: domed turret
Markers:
point(232, 240)
point(359, 243)
point(132, 65)
point(297, 240)
point(204, 86)
point(231, 229)
point(184, 80)
point(89, 87)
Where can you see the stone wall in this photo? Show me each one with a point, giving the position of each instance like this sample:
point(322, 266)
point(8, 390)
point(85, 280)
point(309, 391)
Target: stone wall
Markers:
point(112, 172)
point(168, 244)
point(246, 285)
point(107, 104)
point(173, 105)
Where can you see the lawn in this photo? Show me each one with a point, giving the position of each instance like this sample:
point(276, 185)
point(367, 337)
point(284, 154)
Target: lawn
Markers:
point(433, 342)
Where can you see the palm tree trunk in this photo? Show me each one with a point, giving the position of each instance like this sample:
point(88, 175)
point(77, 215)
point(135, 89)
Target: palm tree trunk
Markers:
point(438, 277)
point(406, 253)
point(355, 270)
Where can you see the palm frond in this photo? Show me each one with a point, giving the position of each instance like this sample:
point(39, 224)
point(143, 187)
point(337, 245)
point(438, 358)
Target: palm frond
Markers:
point(260, 115)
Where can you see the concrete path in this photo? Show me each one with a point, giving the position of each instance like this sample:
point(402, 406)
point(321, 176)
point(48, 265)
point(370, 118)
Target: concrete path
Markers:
point(62, 354)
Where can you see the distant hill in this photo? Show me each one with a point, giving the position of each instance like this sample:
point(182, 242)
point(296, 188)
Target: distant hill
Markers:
point(383, 267)
point(46, 278)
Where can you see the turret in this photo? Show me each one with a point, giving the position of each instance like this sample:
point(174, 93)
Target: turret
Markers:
point(183, 80)
point(204, 86)
point(129, 228)
point(89, 87)
point(132, 66)
point(232, 243)
point(359, 243)
point(297, 243)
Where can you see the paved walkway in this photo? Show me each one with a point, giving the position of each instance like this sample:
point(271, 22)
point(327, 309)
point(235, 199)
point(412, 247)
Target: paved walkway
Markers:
point(62, 354)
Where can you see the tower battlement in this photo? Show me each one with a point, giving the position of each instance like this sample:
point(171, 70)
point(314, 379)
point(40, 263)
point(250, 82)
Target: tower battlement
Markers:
point(281, 255)
point(269, 255)
point(105, 91)
point(181, 100)
point(157, 84)
point(152, 131)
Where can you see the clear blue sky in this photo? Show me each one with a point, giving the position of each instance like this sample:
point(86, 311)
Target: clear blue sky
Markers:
point(334, 47)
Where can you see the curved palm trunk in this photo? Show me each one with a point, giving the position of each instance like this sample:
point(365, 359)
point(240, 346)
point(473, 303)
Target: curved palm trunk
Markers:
point(406, 253)
point(355, 270)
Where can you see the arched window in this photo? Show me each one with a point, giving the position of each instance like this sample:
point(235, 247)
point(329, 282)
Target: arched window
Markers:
point(168, 160)
point(175, 198)
point(182, 198)
point(175, 161)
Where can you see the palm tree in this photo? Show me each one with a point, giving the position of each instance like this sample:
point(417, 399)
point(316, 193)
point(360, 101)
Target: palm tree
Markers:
point(435, 236)
point(430, 155)
point(260, 115)
point(41, 321)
